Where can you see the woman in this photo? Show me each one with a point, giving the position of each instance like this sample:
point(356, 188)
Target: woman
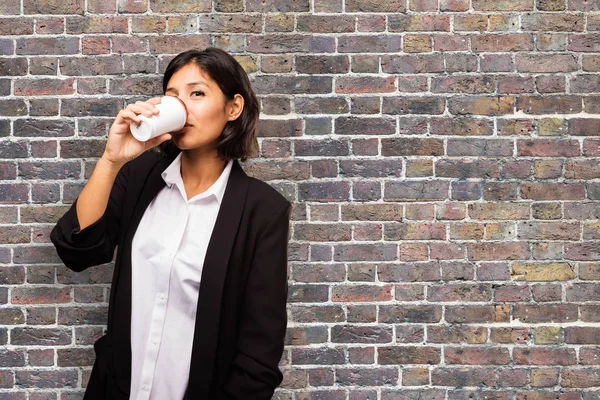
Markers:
point(197, 303)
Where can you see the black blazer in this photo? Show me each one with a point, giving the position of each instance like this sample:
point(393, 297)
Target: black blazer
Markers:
point(241, 315)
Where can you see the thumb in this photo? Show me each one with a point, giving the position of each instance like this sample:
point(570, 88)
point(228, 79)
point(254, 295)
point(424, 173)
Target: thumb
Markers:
point(158, 140)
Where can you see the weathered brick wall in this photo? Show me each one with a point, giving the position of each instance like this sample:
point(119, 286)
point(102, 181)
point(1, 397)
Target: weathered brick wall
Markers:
point(442, 158)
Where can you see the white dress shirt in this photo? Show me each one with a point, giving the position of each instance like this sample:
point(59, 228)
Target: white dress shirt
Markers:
point(167, 256)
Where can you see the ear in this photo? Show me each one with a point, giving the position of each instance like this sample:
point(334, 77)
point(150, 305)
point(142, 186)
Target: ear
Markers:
point(235, 107)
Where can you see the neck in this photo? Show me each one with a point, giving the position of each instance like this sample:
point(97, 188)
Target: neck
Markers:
point(199, 172)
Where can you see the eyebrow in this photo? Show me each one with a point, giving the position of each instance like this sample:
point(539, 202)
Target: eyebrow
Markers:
point(190, 84)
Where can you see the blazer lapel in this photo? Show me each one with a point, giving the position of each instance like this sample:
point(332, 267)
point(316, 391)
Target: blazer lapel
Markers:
point(121, 316)
point(206, 331)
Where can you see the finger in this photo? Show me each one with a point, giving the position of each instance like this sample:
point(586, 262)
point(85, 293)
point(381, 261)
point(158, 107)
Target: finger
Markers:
point(129, 116)
point(154, 100)
point(144, 109)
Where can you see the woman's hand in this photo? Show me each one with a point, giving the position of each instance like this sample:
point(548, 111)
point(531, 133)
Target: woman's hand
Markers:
point(121, 145)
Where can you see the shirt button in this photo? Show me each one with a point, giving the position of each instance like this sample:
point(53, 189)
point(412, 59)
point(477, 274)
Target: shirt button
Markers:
point(161, 296)
point(154, 341)
point(146, 388)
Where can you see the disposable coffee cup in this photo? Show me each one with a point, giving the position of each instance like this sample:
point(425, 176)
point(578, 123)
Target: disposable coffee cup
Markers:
point(171, 117)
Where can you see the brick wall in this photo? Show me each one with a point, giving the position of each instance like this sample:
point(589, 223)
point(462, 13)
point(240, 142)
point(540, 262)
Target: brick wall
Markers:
point(442, 157)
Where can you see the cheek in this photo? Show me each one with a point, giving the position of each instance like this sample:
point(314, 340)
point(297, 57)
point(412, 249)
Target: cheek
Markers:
point(211, 112)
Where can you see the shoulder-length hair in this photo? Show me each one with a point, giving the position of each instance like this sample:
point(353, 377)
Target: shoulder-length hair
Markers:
point(238, 139)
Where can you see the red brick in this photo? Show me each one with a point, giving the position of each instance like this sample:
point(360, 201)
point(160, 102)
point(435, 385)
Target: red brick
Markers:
point(580, 378)
point(515, 84)
point(129, 45)
point(497, 63)
point(412, 64)
point(423, 5)
point(591, 63)
point(454, 5)
point(498, 251)
point(16, 26)
point(324, 23)
point(361, 293)
point(53, 6)
point(322, 64)
point(546, 63)
point(180, 6)
point(584, 5)
point(393, 6)
point(292, 84)
point(366, 252)
point(450, 43)
point(101, 7)
point(593, 22)
point(502, 42)
point(418, 23)
point(413, 105)
point(408, 355)
point(548, 148)
point(503, 5)
point(503, 23)
point(365, 85)
point(584, 127)
point(476, 356)
point(585, 83)
point(552, 191)
point(97, 24)
point(585, 169)
point(148, 24)
point(552, 22)
point(545, 313)
point(416, 44)
point(551, 42)
point(585, 42)
point(420, 212)
point(416, 191)
point(470, 23)
point(44, 87)
point(467, 169)
point(463, 84)
point(10, 8)
point(551, 84)
point(412, 147)
point(235, 23)
point(324, 6)
point(49, 25)
point(95, 45)
point(551, 5)
point(547, 169)
point(492, 106)
point(44, 45)
point(462, 126)
point(371, 23)
point(177, 44)
point(463, 376)
point(461, 62)
point(547, 356)
point(369, 44)
point(365, 126)
point(549, 104)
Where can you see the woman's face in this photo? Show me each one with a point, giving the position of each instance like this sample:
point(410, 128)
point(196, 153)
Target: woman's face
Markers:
point(207, 109)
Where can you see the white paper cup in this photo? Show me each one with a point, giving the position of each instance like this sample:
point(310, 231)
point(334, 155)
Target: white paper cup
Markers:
point(171, 117)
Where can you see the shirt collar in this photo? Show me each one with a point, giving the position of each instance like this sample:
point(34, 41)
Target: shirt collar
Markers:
point(172, 176)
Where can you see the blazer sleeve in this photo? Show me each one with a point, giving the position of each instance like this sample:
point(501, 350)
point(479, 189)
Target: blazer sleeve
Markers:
point(95, 244)
point(255, 372)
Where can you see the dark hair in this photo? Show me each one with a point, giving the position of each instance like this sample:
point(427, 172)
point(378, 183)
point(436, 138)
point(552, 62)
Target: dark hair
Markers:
point(238, 139)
